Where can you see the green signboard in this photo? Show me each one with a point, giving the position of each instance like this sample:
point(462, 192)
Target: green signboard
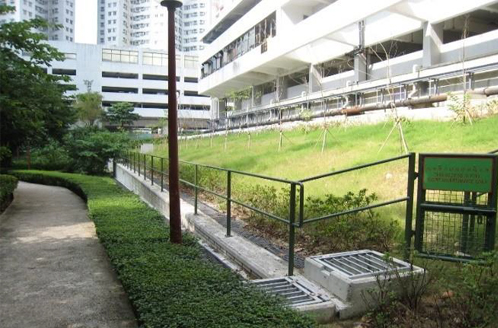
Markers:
point(458, 173)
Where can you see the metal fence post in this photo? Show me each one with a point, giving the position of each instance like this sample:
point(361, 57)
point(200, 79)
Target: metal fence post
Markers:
point(151, 170)
point(412, 175)
point(114, 165)
point(196, 190)
point(145, 167)
point(162, 174)
point(292, 228)
point(229, 203)
point(138, 162)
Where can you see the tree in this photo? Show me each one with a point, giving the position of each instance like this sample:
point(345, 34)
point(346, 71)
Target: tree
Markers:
point(91, 148)
point(33, 107)
point(88, 105)
point(121, 114)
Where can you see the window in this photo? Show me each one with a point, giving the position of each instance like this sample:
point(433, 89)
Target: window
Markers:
point(190, 62)
point(122, 56)
point(155, 59)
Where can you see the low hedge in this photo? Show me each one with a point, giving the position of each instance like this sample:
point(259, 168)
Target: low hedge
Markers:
point(168, 285)
point(8, 184)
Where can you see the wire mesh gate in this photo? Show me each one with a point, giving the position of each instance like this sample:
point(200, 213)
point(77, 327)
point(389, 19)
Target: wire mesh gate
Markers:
point(456, 206)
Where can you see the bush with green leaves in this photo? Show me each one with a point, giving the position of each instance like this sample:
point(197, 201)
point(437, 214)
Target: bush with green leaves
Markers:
point(51, 156)
point(352, 231)
point(8, 184)
point(168, 285)
point(90, 148)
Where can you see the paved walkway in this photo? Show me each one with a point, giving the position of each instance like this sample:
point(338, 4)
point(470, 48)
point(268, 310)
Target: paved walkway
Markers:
point(53, 270)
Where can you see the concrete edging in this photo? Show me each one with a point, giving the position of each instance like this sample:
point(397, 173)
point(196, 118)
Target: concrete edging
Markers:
point(252, 258)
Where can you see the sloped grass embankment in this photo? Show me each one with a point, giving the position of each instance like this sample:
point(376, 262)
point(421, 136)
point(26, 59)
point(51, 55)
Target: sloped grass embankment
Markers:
point(168, 285)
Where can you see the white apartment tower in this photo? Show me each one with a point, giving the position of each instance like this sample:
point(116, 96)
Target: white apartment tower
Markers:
point(55, 11)
point(144, 23)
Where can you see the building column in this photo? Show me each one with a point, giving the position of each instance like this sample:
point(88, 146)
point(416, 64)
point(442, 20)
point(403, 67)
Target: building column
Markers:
point(281, 89)
point(315, 80)
point(433, 39)
point(360, 67)
point(360, 56)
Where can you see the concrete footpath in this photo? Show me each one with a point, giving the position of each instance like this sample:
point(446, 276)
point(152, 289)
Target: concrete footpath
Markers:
point(53, 270)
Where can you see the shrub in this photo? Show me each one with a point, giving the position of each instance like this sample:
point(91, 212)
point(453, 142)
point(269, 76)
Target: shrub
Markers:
point(52, 156)
point(8, 184)
point(352, 231)
point(90, 149)
point(450, 295)
point(169, 285)
point(476, 302)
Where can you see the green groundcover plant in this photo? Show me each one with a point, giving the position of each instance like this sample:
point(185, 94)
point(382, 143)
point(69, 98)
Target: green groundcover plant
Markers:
point(168, 285)
point(7, 185)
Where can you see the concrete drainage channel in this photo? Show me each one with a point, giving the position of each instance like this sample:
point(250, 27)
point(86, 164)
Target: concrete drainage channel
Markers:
point(330, 287)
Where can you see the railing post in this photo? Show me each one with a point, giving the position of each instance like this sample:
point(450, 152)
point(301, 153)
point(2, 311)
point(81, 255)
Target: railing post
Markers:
point(162, 174)
point(229, 203)
point(151, 170)
point(145, 167)
point(138, 162)
point(412, 175)
point(196, 190)
point(292, 228)
point(114, 165)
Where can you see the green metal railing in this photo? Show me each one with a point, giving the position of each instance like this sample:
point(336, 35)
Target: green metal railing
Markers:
point(154, 168)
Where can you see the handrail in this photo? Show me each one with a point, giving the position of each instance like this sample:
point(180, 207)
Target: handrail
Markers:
point(255, 175)
point(354, 168)
point(356, 210)
point(296, 219)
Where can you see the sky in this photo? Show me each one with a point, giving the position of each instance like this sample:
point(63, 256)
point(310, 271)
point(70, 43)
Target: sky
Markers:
point(86, 21)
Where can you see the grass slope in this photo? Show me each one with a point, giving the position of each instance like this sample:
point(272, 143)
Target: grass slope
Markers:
point(301, 155)
point(169, 285)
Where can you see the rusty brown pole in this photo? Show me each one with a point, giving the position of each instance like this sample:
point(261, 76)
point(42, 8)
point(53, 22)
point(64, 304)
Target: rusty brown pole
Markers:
point(175, 222)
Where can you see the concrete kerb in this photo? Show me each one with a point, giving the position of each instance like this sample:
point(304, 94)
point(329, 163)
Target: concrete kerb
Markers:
point(256, 260)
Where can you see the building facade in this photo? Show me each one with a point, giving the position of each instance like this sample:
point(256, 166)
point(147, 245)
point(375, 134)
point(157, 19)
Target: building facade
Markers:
point(135, 75)
point(323, 56)
point(54, 11)
point(144, 23)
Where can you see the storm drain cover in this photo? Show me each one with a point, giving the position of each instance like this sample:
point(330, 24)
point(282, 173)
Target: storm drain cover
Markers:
point(361, 264)
point(296, 292)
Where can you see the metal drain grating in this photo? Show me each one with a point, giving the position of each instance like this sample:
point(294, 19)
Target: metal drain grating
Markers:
point(292, 289)
point(360, 264)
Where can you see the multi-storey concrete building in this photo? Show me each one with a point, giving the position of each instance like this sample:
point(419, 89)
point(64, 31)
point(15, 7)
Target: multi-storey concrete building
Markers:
point(55, 11)
point(143, 23)
point(331, 56)
point(135, 75)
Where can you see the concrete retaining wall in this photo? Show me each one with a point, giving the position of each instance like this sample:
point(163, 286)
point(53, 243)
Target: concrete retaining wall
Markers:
point(255, 260)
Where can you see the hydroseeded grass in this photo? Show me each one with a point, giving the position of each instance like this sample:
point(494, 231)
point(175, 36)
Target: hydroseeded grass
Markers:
point(168, 285)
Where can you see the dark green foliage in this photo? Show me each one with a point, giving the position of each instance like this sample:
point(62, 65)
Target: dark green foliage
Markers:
point(32, 103)
point(88, 107)
point(90, 149)
point(169, 285)
point(51, 156)
point(353, 231)
point(450, 295)
point(121, 114)
point(476, 300)
point(8, 184)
